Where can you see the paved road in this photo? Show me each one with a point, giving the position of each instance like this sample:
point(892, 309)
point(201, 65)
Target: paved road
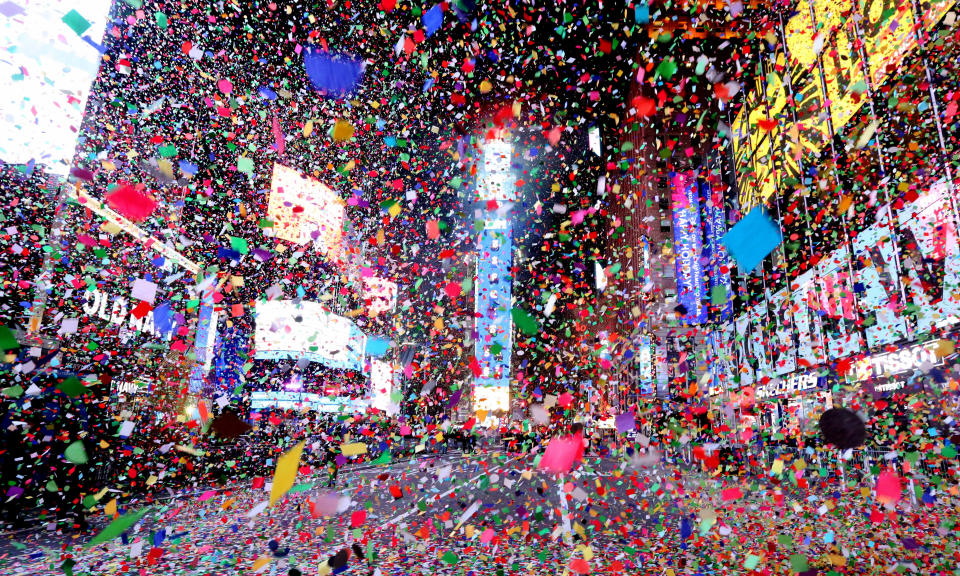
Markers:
point(448, 500)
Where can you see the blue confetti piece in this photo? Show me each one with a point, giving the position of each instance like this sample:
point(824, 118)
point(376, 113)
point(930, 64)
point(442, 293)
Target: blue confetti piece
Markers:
point(641, 13)
point(335, 75)
point(162, 318)
point(188, 167)
point(267, 93)
point(433, 20)
point(751, 239)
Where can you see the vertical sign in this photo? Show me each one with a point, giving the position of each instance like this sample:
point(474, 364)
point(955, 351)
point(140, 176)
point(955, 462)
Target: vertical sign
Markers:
point(493, 286)
point(688, 246)
point(715, 253)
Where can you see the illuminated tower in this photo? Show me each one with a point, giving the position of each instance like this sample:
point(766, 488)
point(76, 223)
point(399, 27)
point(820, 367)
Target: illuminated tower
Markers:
point(494, 325)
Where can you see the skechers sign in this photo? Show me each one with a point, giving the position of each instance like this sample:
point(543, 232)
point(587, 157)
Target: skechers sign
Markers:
point(788, 386)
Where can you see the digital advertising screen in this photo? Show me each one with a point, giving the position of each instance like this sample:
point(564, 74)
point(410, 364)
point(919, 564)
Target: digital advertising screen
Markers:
point(497, 182)
point(688, 245)
point(304, 210)
point(286, 400)
point(494, 321)
point(379, 295)
point(381, 384)
point(305, 330)
point(714, 252)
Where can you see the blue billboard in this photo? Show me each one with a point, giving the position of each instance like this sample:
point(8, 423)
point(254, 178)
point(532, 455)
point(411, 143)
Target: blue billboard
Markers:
point(714, 252)
point(688, 246)
point(493, 298)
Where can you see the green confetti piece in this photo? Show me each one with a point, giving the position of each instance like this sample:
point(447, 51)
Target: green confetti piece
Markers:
point(798, 563)
point(239, 244)
point(524, 321)
point(118, 527)
point(450, 558)
point(76, 22)
point(13, 391)
point(72, 387)
point(751, 562)
point(8, 340)
point(76, 453)
point(245, 165)
point(161, 20)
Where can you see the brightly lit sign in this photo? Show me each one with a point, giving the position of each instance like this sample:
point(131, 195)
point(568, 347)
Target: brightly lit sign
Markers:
point(379, 294)
point(689, 245)
point(304, 210)
point(117, 311)
point(788, 386)
point(497, 182)
point(765, 127)
point(493, 288)
point(830, 307)
point(381, 383)
point(50, 60)
point(893, 363)
point(288, 329)
point(305, 401)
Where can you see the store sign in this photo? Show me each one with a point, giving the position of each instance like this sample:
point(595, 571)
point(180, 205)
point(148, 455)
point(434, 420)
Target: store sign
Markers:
point(714, 252)
point(894, 363)
point(860, 282)
point(793, 384)
point(688, 241)
point(99, 304)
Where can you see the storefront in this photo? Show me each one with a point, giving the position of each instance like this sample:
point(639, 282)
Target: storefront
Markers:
point(789, 404)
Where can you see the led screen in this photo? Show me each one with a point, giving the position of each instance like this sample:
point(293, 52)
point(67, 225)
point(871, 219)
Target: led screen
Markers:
point(48, 67)
point(379, 295)
point(381, 383)
point(304, 210)
point(688, 242)
point(817, 320)
point(289, 329)
point(714, 252)
point(497, 180)
point(304, 400)
point(494, 322)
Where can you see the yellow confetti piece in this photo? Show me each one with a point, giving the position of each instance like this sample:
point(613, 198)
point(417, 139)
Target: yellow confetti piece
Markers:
point(394, 210)
point(286, 473)
point(485, 86)
point(308, 128)
point(111, 508)
point(260, 563)
point(152, 480)
point(342, 130)
point(353, 449)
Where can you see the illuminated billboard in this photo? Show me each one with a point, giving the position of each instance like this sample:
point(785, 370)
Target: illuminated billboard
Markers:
point(820, 39)
point(714, 252)
point(305, 401)
point(494, 321)
point(688, 242)
point(381, 384)
point(379, 295)
point(50, 59)
point(493, 287)
point(290, 329)
point(497, 181)
point(826, 312)
point(304, 210)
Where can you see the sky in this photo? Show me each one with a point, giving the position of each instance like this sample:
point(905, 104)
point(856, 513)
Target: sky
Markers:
point(46, 71)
